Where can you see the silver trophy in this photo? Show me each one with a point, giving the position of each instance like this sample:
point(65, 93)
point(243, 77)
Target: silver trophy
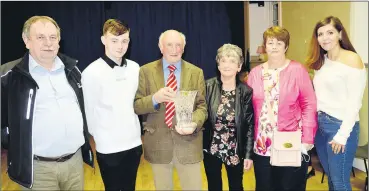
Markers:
point(184, 103)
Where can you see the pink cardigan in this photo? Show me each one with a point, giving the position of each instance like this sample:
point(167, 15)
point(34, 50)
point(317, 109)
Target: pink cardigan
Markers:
point(297, 100)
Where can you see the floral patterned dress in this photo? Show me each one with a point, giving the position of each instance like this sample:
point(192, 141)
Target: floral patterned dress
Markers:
point(224, 143)
point(265, 132)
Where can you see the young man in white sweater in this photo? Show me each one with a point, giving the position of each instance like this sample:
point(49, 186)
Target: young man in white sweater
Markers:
point(109, 86)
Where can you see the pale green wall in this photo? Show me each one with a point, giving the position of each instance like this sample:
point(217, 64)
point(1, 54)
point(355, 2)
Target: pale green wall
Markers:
point(363, 138)
point(299, 18)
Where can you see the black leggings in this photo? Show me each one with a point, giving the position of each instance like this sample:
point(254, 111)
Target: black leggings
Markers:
point(213, 169)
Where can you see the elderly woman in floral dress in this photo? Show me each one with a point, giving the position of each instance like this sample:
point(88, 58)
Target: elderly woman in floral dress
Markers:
point(228, 135)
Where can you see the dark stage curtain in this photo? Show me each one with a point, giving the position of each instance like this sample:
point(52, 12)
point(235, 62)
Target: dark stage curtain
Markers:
point(207, 26)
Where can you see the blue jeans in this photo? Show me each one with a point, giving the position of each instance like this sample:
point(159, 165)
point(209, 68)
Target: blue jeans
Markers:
point(336, 166)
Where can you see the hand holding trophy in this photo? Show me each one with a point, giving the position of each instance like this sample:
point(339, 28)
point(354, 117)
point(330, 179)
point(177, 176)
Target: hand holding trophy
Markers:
point(184, 103)
point(186, 129)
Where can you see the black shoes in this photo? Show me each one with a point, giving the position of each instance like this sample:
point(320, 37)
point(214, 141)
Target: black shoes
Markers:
point(311, 173)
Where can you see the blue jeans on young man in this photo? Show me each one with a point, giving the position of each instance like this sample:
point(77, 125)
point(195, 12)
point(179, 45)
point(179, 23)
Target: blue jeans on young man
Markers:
point(336, 166)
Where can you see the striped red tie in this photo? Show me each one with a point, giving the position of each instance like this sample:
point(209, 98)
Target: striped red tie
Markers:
point(169, 107)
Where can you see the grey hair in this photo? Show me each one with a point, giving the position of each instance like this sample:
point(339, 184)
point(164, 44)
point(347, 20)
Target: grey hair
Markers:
point(181, 34)
point(32, 20)
point(229, 50)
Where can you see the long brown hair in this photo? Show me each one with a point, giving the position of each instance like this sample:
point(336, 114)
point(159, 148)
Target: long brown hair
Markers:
point(316, 53)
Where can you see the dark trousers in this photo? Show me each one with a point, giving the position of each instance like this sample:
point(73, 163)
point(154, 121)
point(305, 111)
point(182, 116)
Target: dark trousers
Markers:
point(119, 170)
point(213, 169)
point(275, 178)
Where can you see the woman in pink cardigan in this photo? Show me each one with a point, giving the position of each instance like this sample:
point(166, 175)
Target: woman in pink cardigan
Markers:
point(292, 107)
